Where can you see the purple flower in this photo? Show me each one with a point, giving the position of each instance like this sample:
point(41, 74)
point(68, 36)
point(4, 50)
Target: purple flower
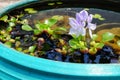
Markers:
point(77, 27)
point(81, 23)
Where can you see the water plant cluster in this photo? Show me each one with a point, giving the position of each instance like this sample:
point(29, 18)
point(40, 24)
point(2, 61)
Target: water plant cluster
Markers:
point(48, 40)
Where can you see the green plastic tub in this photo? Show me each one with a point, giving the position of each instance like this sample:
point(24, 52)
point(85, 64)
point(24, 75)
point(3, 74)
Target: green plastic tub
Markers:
point(18, 66)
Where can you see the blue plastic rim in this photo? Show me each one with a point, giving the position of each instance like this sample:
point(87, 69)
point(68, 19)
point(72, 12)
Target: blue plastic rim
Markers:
point(15, 65)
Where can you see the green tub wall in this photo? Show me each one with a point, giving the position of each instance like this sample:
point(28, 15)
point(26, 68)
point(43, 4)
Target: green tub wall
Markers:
point(15, 65)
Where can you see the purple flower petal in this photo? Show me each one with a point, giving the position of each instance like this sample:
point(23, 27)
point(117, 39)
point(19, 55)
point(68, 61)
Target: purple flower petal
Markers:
point(74, 32)
point(89, 19)
point(91, 26)
point(82, 31)
point(73, 23)
point(84, 15)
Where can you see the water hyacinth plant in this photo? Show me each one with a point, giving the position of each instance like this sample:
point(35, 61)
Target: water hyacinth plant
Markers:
point(81, 30)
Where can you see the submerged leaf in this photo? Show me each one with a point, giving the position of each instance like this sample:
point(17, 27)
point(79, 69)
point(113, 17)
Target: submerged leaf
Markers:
point(107, 36)
point(26, 27)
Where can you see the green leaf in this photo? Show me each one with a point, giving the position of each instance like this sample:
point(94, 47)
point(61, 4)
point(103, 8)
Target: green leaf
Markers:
point(9, 29)
point(107, 36)
point(73, 44)
point(31, 49)
point(99, 45)
point(11, 24)
point(13, 19)
point(94, 36)
point(118, 43)
point(30, 10)
point(36, 31)
point(4, 18)
point(41, 26)
point(26, 27)
point(50, 22)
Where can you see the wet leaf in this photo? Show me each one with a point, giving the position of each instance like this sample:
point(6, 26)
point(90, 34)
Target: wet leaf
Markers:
point(107, 36)
point(26, 27)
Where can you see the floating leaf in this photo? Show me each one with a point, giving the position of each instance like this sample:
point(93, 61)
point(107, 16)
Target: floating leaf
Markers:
point(4, 18)
point(59, 2)
point(50, 22)
point(26, 27)
point(51, 4)
point(86, 9)
point(118, 43)
point(96, 16)
point(30, 10)
point(58, 17)
point(107, 36)
point(101, 18)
